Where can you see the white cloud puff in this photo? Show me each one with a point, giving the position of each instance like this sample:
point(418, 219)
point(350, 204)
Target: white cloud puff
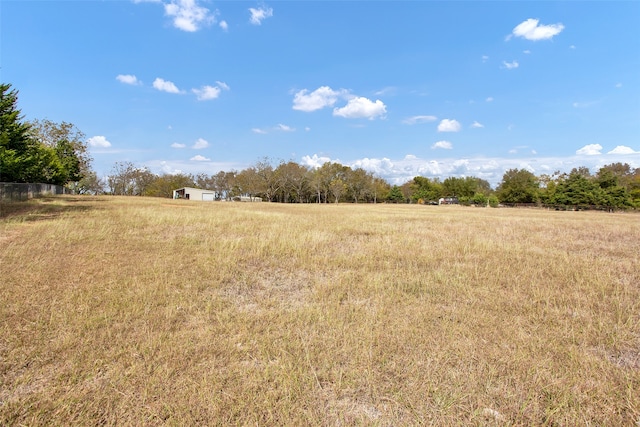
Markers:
point(447, 125)
point(188, 15)
point(165, 86)
point(360, 107)
point(510, 65)
point(419, 119)
point(200, 144)
point(199, 158)
point(178, 145)
point(377, 166)
point(320, 98)
point(259, 15)
point(531, 30)
point(445, 145)
point(590, 150)
point(98, 141)
point(206, 93)
point(477, 125)
point(315, 161)
point(623, 149)
point(128, 79)
point(224, 25)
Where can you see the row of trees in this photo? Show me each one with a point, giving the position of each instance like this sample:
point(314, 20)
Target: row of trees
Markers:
point(614, 186)
point(40, 150)
point(288, 182)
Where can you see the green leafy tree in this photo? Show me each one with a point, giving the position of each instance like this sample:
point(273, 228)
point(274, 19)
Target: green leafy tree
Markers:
point(68, 142)
point(578, 189)
point(425, 189)
point(465, 187)
point(518, 186)
point(379, 190)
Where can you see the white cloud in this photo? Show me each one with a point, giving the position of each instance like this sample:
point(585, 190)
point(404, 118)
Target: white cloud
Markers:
point(315, 161)
point(489, 99)
point(590, 150)
point(278, 128)
point(166, 168)
point(618, 85)
point(199, 158)
point(188, 15)
point(284, 128)
point(447, 125)
point(477, 125)
point(178, 145)
point(526, 52)
point(360, 107)
point(390, 90)
point(623, 149)
point(485, 58)
point(530, 30)
point(206, 93)
point(165, 86)
point(320, 98)
point(222, 85)
point(510, 65)
point(419, 119)
point(445, 145)
point(224, 25)
point(376, 166)
point(128, 79)
point(98, 141)
point(200, 144)
point(259, 15)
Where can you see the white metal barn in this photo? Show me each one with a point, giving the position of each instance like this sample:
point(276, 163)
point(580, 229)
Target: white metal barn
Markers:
point(189, 193)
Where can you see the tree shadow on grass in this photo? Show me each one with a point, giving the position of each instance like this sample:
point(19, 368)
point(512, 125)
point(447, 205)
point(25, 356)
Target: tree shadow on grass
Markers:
point(44, 208)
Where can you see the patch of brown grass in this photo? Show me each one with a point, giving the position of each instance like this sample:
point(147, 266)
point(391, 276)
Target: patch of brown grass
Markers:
point(127, 311)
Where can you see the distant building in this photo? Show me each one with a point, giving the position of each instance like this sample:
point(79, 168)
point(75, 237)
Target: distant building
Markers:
point(198, 194)
point(448, 201)
point(194, 194)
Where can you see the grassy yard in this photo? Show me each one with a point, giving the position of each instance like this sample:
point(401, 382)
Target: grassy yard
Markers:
point(140, 311)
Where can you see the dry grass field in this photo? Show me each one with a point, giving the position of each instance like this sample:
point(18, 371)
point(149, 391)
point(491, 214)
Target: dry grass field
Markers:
point(140, 311)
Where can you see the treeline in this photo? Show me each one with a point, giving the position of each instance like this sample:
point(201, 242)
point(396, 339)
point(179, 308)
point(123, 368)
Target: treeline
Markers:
point(39, 151)
point(288, 182)
point(42, 151)
point(615, 186)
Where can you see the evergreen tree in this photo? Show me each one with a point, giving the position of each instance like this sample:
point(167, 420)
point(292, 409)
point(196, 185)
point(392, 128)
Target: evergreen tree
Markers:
point(17, 152)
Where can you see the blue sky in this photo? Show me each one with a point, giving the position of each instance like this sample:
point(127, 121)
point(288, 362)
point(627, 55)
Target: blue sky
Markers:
point(400, 88)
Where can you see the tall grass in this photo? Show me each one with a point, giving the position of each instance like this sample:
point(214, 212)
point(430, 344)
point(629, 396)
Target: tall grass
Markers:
point(134, 311)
